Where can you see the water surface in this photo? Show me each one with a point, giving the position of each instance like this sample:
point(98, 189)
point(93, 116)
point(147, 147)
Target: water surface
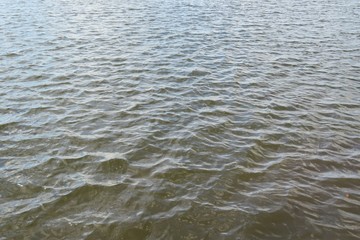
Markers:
point(179, 119)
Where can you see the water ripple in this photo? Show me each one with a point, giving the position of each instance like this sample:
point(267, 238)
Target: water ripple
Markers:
point(179, 119)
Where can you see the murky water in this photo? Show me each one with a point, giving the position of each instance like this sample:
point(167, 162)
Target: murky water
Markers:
point(179, 119)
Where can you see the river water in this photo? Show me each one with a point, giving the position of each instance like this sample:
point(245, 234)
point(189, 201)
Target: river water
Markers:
point(179, 119)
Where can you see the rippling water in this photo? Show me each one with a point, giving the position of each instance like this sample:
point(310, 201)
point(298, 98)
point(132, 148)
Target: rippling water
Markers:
point(179, 119)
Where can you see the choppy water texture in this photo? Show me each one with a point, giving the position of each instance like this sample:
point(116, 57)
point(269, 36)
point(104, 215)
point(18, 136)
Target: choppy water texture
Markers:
point(180, 119)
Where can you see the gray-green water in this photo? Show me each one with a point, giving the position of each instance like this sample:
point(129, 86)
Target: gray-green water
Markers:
point(180, 119)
